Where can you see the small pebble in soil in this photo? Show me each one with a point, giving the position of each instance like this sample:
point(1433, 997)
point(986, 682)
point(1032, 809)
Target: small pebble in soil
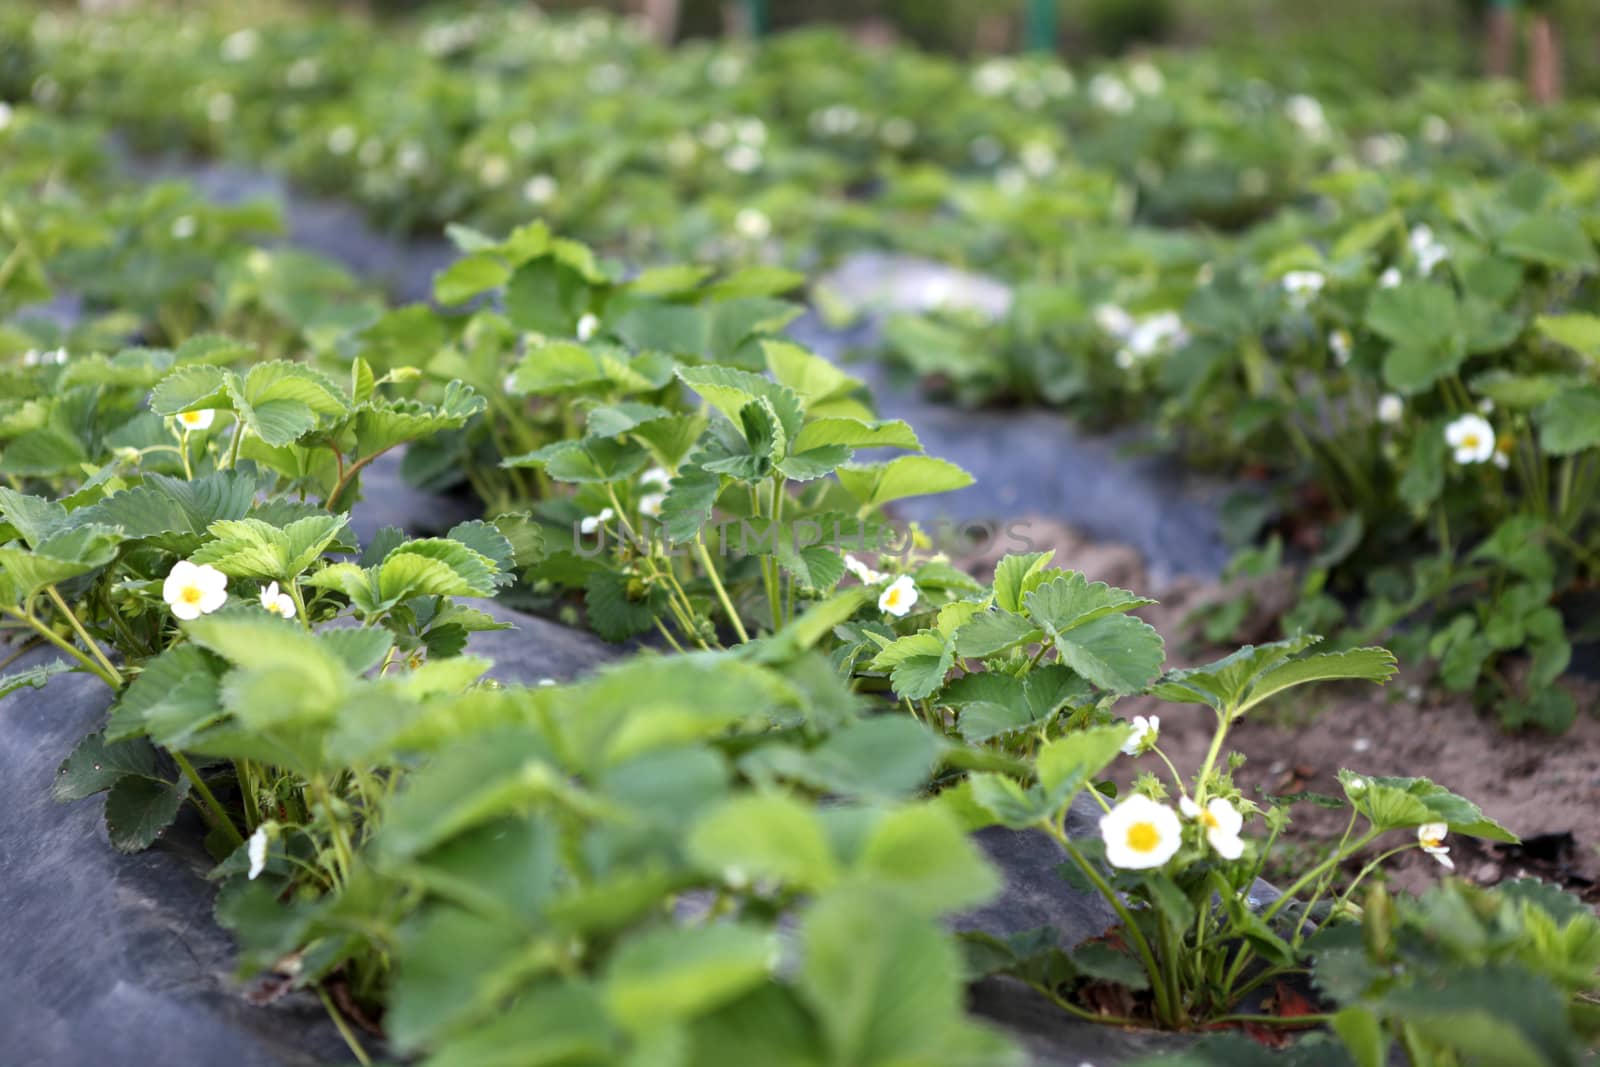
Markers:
point(1361, 744)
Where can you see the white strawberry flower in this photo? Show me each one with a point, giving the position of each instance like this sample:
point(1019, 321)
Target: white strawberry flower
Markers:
point(1113, 321)
point(752, 225)
point(590, 523)
point(277, 603)
point(1303, 285)
point(1472, 438)
point(1340, 344)
point(899, 597)
point(1222, 823)
point(192, 591)
point(1143, 738)
point(1140, 833)
point(1431, 837)
point(540, 189)
point(1389, 278)
point(1391, 409)
point(655, 478)
point(1306, 112)
point(650, 504)
point(257, 851)
point(864, 574)
point(1428, 249)
point(196, 420)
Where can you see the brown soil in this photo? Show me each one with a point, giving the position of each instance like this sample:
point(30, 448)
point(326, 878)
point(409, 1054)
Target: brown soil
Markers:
point(1544, 788)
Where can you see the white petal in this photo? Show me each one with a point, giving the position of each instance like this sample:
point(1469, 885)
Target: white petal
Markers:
point(257, 851)
point(1189, 808)
point(1228, 846)
point(1227, 817)
point(211, 600)
point(185, 611)
point(285, 605)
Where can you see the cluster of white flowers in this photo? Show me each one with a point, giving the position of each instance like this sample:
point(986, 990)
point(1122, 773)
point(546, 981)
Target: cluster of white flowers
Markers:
point(184, 227)
point(1142, 337)
point(1303, 286)
point(1473, 440)
point(1383, 149)
point(55, 357)
point(1428, 249)
point(1142, 834)
point(607, 78)
point(836, 120)
point(192, 591)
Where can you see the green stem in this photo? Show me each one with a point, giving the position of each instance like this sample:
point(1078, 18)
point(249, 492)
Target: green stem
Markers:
point(1315, 873)
point(113, 680)
point(344, 1029)
point(721, 590)
point(218, 813)
point(238, 439)
point(83, 635)
point(1082, 1013)
point(1152, 968)
point(299, 603)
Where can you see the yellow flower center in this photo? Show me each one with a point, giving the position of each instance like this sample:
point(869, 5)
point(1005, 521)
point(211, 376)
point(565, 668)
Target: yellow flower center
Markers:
point(1469, 440)
point(191, 594)
point(190, 417)
point(1432, 842)
point(1143, 837)
point(893, 599)
point(1209, 819)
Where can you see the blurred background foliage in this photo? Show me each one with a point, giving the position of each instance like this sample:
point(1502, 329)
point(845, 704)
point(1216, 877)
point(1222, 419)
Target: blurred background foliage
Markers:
point(1383, 44)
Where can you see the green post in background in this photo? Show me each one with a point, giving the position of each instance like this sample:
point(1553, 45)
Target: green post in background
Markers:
point(1039, 26)
point(755, 14)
